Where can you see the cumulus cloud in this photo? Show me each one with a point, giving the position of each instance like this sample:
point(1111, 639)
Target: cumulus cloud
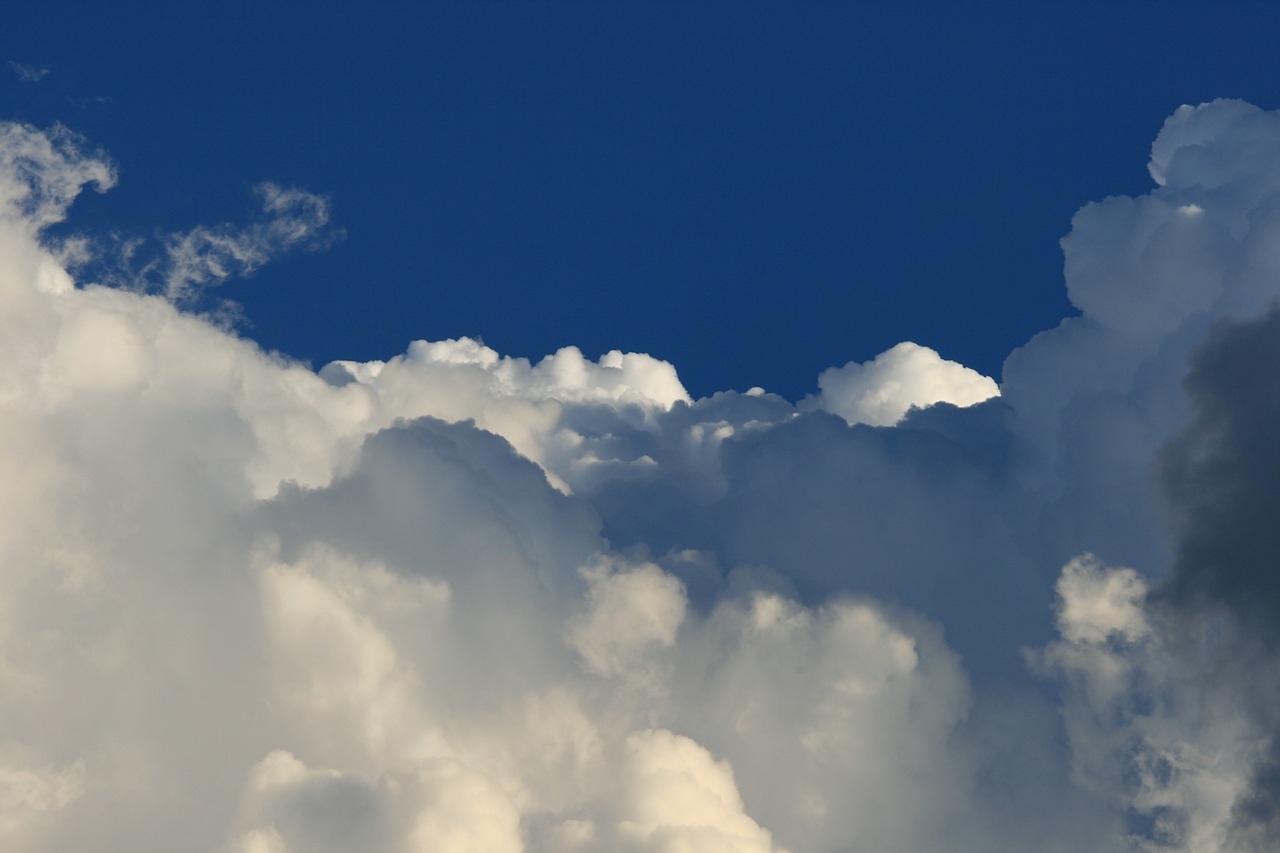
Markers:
point(1143, 731)
point(524, 403)
point(460, 601)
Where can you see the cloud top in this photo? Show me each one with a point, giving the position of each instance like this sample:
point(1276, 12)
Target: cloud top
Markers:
point(880, 392)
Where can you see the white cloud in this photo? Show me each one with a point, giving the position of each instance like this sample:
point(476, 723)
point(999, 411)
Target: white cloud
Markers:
point(679, 798)
point(263, 609)
point(524, 403)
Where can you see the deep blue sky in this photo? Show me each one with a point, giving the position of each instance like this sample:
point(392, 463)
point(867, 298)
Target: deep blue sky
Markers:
point(755, 191)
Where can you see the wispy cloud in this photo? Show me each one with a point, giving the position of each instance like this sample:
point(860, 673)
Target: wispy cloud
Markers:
point(208, 255)
point(28, 73)
point(186, 264)
point(42, 172)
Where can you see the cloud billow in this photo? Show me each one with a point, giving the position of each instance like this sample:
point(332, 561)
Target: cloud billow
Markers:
point(457, 601)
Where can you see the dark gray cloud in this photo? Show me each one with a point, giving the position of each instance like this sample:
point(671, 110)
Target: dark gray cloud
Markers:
point(1222, 479)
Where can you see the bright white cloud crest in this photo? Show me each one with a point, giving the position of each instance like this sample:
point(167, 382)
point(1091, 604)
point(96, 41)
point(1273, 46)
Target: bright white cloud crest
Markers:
point(459, 602)
point(881, 391)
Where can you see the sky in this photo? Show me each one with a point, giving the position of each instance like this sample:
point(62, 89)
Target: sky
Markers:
point(752, 191)
point(639, 428)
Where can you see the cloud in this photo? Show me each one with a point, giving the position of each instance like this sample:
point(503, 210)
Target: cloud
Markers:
point(438, 805)
point(881, 391)
point(455, 600)
point(1220, 480)
point(1220, 475)
point(524, 403)
point(627, 612)
point(1178, 685)
point(42, 172)
point(1143, 730)
point(28, 73)
point(206, 256)
point(191, 262)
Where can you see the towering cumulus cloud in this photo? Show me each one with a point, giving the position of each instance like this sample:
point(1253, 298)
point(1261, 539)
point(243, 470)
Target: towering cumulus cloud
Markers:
point(464, 603)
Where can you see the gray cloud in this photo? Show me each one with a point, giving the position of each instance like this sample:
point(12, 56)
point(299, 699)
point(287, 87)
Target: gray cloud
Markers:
point(1221, 476)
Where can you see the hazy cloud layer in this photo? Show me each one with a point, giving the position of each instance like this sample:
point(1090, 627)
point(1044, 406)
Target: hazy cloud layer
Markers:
point(455, 601)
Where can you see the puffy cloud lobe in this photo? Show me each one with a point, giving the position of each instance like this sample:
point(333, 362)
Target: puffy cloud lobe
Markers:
point(1142, 729)
point(627, 611)
point(617, 378)
point(524, 403)
point(679, 798)
point(458, 601)
point(860, 708)
point(881, 391)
